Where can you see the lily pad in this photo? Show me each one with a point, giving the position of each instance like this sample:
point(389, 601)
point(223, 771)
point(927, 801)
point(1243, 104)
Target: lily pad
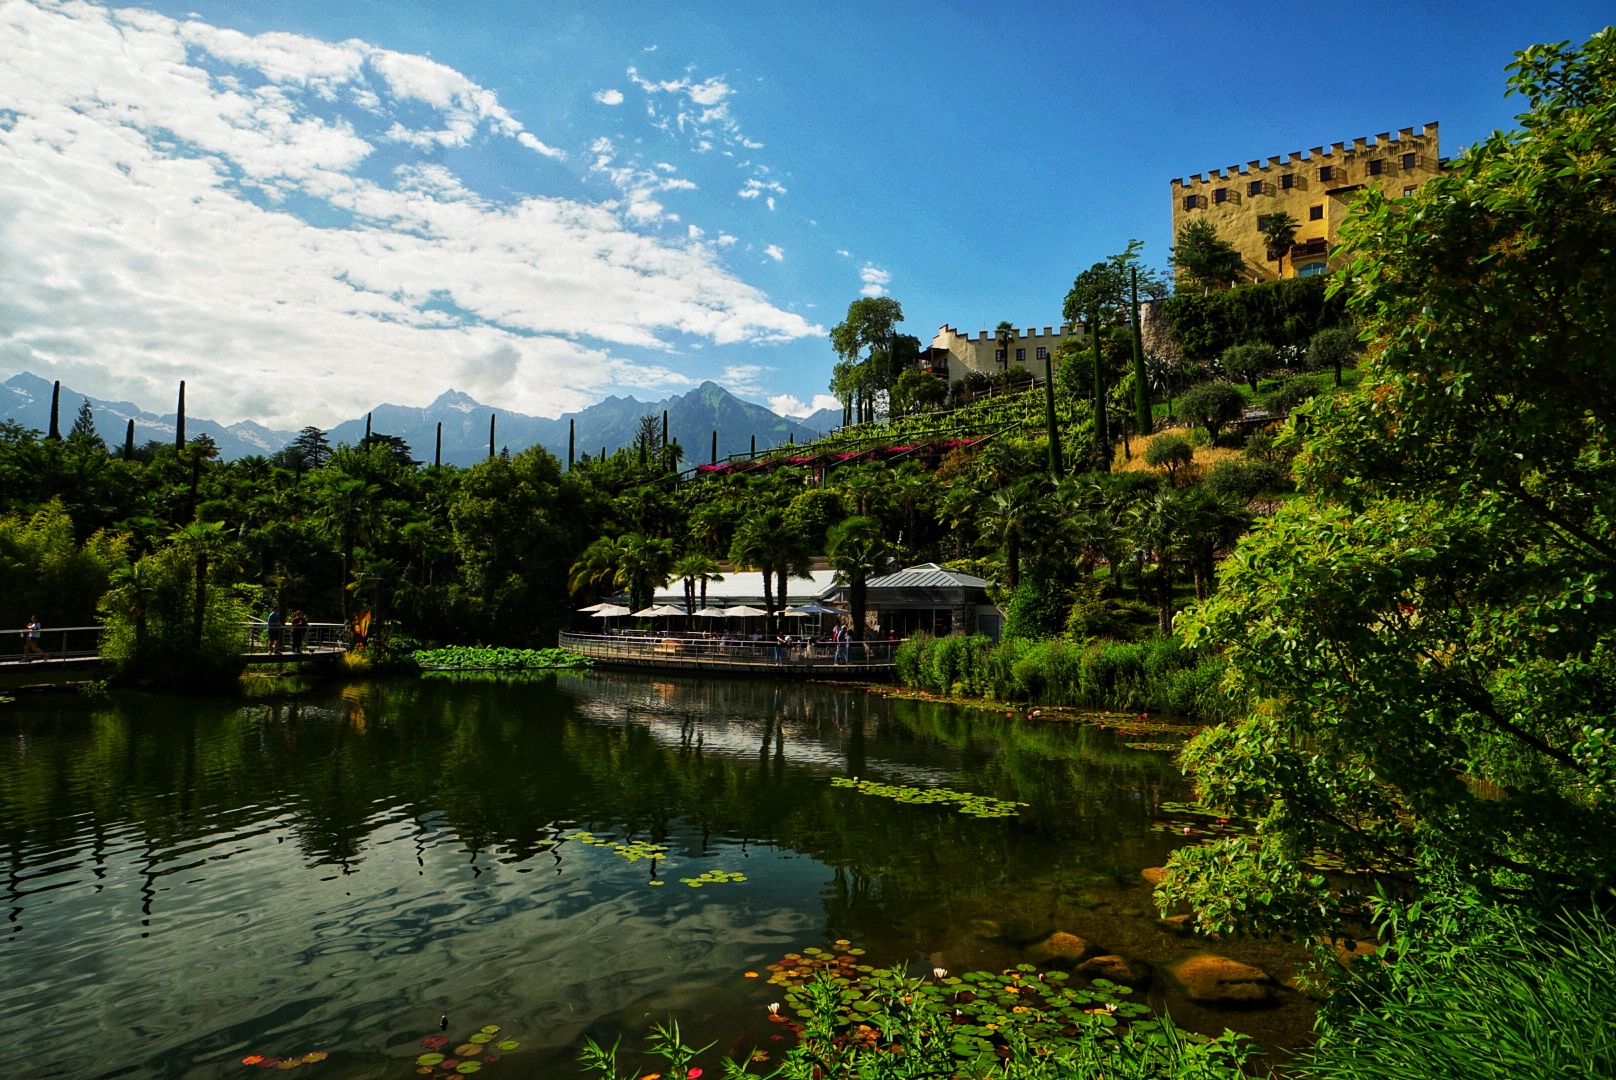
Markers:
point(491, 1029)
point(435, 1042)
point(429, 1059)
point(509, 1045)
point(315, 1055)
point(481, 1037)
point(470, 1049)
point(469, 1067)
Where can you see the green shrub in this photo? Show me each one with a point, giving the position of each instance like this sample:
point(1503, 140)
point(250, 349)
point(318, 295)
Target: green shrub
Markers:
point(1287, 312)
point(1494, 994)
point(1161, 674)
point(1170, 452)
point(1242, 481)
point(150, 637)
point(1292, 394)
point(1038, 607)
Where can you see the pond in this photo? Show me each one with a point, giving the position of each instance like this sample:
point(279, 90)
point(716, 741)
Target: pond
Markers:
point(188, 882)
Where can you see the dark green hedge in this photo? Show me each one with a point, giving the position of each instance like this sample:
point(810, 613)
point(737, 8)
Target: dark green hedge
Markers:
point(1287, 312)
point(1162, 674)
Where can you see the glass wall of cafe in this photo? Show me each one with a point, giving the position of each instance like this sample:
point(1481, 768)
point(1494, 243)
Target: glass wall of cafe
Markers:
point(929, 599)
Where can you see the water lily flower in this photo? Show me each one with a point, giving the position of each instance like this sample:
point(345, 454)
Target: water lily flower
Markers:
point(694, 1074)
point(252, 1059)
point(750, 975)
point(939, 973)
point(774, 1008)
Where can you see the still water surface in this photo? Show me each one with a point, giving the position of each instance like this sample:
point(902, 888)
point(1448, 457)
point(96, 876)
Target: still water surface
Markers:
point(187, 882)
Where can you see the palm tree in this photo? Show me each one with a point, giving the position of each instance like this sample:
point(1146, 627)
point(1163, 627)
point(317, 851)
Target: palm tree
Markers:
point(767, 544)
point(347, 511)
point(644, 565)
point(1004, 335)
point(1008, 517)
point(856, 551)
point(596, 566)
point(694, 567)
point(1161, 527)
point(1279, 233)
point(206, 541)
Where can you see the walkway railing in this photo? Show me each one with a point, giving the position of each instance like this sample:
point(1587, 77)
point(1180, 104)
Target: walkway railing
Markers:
point(673, 650)
point(84, 642)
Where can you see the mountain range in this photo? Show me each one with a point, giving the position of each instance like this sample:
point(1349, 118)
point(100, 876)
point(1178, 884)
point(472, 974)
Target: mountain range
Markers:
point(608, 424)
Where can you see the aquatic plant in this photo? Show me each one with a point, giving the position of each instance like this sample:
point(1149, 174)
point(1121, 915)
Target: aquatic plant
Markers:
point(972, 805)
point(713, 877)
point(633, 851)
point(482, 658)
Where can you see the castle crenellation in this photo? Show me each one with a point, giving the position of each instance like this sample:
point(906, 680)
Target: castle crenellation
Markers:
point(1060, 331)
point(1338, 153)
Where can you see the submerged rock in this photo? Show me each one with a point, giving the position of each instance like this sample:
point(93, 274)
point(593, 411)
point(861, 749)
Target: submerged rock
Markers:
point(1117, 969)
point(1154, 874)
point(1208, 979)
point(1060, 947)
point(1182, 925)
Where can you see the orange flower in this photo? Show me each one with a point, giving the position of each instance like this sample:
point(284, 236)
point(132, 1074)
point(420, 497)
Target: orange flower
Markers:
point(750, 975)
point(252, 1059)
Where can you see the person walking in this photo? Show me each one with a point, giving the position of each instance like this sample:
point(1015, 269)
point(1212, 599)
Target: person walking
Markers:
point(300, 629)
point(30, 640)
point(275, 624)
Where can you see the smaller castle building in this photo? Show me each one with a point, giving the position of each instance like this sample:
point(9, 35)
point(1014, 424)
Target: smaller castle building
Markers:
point(954, 355)
point(1315, 189)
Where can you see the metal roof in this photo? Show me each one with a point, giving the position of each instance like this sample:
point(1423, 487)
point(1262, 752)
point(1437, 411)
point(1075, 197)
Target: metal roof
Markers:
point(926, 576)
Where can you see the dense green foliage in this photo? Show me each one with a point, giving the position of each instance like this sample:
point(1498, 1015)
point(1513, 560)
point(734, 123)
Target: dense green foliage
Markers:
point(474, 658)
point(1161, 674)
point(853, 1022)
point(1487, 995)
point(153, 634)
point(43, 568)
point(1287, 312)
point(1429, 630)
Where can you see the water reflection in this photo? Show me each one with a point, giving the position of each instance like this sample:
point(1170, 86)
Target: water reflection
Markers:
point(187, 881)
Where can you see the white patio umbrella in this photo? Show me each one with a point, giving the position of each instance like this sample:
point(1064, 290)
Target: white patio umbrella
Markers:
point(711, 613)
point(815, 609)
point(795, 613)
point(670, 609)
point(650, 612)
point(743, 612)
point(596, 607)
point(611, 611)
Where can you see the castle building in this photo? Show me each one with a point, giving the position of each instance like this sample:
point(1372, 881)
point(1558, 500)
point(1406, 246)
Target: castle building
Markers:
point(1315, 189)
point(954, 355)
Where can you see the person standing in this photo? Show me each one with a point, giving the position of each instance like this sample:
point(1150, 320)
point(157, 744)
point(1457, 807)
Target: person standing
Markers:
point(30, 643)
point(300, 629)
point(275, 624)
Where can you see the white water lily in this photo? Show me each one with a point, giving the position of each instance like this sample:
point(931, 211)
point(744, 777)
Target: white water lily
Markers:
point(939, 973)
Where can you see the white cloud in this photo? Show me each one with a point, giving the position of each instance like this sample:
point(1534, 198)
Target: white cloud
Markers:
point(844, 253)
point(792, 406)
point(755, 187)
point(609, 97)
point(775, 252)
point(743, 379)
point(875, 280)
point(158, 209)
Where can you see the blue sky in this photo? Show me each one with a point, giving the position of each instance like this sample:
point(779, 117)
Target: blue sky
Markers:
point(307, 208)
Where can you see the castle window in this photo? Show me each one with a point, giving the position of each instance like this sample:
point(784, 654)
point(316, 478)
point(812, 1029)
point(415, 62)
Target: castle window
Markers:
point(1254, 188)
point(1326, 172)
point(1315, 213)
point(1220, 195)
point(998, 356)
point(1407, 192)
point(1192, 202)
point(1409, 160)
point(1287, 181)
point(1043, 353)
point(1262, 222)
point(1375, 166)
point(1021, 356)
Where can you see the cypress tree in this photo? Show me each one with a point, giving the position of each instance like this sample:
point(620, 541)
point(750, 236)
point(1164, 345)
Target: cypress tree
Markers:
point(367, 431)
point(437, 453)
point(753, 452)
point(1056, 464)
point(491, 418)
point(1141, 388)
point(1102, 438)
point(129, 441)
point(55, 434)
point(572, 440)
point(715, 446)
point(179, 421)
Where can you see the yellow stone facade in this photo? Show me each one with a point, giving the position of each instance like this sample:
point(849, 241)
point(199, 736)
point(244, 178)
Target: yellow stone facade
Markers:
point(1315, 189)
point(957, 354)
